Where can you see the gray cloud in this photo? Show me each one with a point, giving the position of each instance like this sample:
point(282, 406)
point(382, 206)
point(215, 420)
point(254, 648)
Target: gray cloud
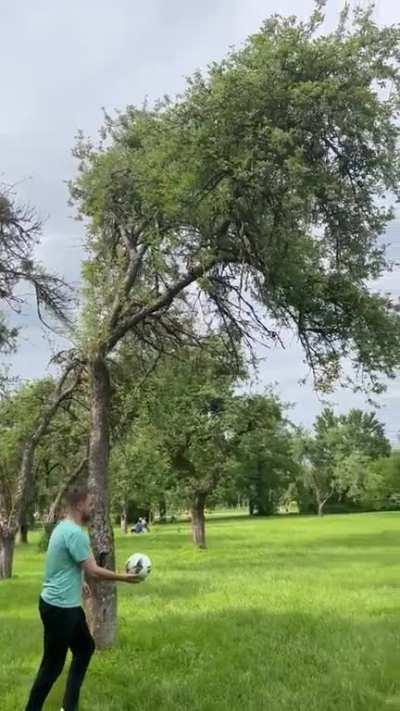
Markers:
point(62, 62)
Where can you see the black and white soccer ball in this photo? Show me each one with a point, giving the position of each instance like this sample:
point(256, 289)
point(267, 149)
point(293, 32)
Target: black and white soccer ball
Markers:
point(139, 564)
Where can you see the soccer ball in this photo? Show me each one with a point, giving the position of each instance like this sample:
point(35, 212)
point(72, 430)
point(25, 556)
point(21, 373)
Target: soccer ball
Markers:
point(139, 564)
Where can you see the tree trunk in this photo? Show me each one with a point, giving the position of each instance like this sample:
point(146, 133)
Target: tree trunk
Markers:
point(124, 519)
point(198, 520)
point(23, 532)
point(7, 545)
point(102, 605)
point(48, 528)
point(162, 508)
point(321, 505)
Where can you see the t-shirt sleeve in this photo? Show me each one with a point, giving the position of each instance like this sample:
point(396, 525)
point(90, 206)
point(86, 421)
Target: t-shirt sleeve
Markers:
point(78, 546)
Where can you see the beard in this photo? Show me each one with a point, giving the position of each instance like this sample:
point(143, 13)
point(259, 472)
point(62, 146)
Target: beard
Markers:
point(86, 517)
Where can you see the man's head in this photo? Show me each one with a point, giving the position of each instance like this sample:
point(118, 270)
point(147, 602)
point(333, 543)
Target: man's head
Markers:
point(79, 503)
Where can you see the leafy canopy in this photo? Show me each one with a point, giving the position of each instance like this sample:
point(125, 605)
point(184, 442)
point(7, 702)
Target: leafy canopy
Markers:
point(261, 192)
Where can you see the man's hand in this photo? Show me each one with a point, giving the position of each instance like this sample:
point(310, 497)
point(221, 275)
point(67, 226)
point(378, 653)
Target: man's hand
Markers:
point(92, 570)
point(132, 578)
point(86, 591)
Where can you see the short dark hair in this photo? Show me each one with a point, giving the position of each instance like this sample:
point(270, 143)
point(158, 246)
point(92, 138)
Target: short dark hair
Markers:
point(75, 495)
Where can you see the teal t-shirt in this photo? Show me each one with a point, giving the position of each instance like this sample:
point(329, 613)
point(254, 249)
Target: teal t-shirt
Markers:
point(68, 547)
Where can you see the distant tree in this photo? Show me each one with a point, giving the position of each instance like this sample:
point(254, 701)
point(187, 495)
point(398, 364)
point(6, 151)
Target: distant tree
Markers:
point(189, 404)
point(381, 489)
point(140, 469)
point(18, 412)
point(13, 506)
point(263, 452)
point(336, 457)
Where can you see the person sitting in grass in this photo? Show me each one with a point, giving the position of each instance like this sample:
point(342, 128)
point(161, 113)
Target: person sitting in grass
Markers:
point(140, 526)
point(68, 560)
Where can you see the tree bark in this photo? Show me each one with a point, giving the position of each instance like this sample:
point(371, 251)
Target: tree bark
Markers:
point(321, 505)
point(7, 545)
point(102, 605)
point(198, 520)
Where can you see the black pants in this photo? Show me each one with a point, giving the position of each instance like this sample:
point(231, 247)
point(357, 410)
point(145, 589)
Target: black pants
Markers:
point(64, 628)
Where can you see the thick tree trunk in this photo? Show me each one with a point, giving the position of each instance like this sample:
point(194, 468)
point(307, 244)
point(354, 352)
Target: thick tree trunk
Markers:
point(102, 606)
point(265, 508)
point(198, 520)
point(7, 545)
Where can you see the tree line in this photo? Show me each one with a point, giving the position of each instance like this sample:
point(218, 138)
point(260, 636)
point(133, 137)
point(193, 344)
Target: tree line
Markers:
point(186, 440)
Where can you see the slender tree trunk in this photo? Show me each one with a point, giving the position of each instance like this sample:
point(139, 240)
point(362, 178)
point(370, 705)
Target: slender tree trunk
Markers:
point(198, 520)
point(162, 508)
point(124, 519)
point(102, 606)
point(23, 532)
point(321, 501)
point(48, 528)
point(7, 545)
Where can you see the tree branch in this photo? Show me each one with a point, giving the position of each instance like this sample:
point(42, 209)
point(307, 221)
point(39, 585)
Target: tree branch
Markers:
point(54, 508)
point(163, 301)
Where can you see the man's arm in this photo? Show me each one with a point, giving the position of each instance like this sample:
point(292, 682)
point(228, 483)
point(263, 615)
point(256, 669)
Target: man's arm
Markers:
point(92, 570)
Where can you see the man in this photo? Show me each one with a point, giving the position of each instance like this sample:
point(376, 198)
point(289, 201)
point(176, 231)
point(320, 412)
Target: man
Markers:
point(68, 559)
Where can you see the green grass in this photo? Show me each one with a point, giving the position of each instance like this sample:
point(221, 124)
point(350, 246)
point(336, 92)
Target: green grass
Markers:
point(287, 614)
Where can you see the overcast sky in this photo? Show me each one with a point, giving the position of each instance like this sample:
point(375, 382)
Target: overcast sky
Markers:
point(62, 62)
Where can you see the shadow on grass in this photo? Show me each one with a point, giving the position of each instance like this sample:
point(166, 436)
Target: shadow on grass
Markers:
point(232, 659)
point(368, 540)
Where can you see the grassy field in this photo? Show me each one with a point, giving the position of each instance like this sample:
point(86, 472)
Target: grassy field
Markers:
point(287, 614)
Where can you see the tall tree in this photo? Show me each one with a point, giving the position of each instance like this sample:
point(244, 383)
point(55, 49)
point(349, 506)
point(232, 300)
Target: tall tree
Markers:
point(263, 183)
